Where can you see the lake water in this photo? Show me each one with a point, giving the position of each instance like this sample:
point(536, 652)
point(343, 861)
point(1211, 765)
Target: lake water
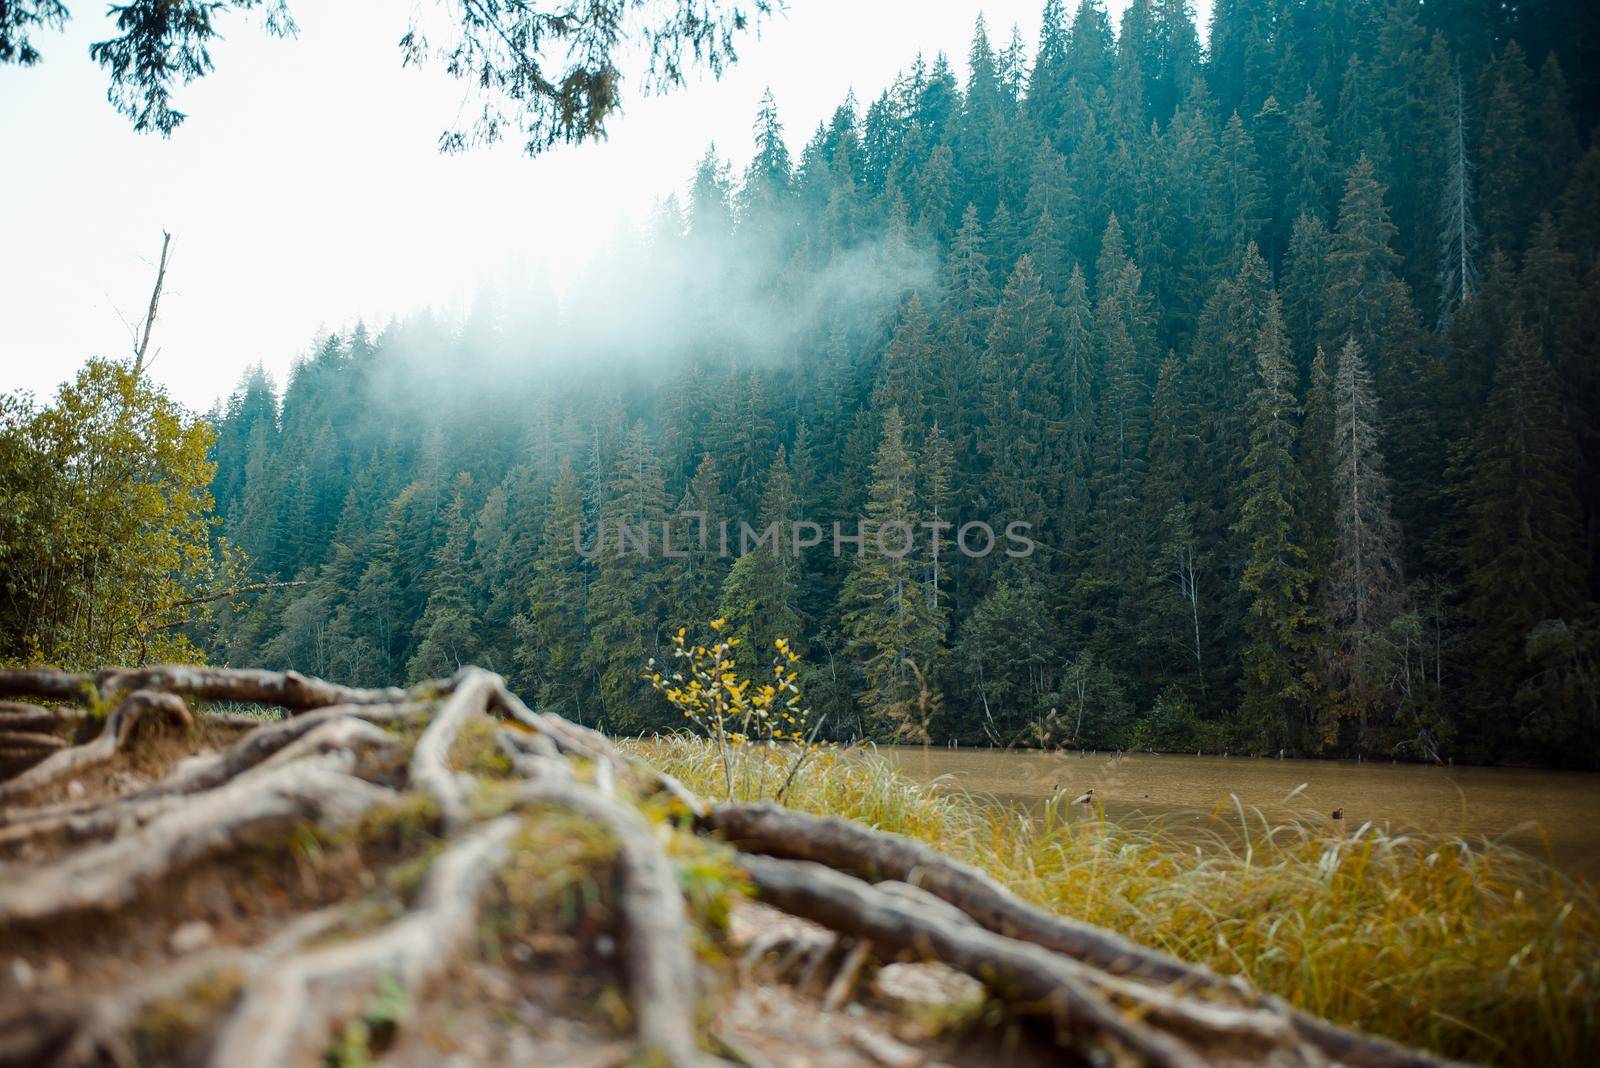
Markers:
point(1552, 814)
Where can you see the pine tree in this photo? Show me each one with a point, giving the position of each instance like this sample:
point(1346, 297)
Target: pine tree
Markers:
point(696, 568)
point(1021, 400)
point(1048, 79)
point(1507, 168)
point(626, 597)
point(760, 596)
point(1309, 157)
point(1076, 378)
point(710, 211)
point(1458, 230)
point(1241, 213)
point(1361, 265)
point(1091, 48)
point(1305, 284)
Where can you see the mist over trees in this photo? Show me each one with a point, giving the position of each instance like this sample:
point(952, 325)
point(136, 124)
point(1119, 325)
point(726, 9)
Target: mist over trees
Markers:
point(1285, 349)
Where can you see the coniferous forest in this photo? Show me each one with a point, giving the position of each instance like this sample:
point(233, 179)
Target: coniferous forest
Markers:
point(1284, 347)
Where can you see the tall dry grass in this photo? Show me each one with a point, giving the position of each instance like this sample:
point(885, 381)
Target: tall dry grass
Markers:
point(1473, 950)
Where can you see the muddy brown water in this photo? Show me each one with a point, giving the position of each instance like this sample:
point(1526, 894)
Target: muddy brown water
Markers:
point(1551, 814)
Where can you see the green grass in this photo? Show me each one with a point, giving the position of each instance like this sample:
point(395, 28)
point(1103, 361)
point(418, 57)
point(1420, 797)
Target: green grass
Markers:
point(1475, 951)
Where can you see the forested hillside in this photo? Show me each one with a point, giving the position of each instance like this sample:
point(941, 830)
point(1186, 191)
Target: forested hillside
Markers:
point(1285, 348)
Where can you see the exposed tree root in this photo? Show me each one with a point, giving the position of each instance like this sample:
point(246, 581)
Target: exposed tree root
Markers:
point(1012, 968)
point(287, 689)
point(21, 716)
point(656, 957)
point(349, 759)
point(250, 810)
point(287, 1015)
point(118, 729)
point(28, 743)
point(858, 850)
point(97, 1029)
point(430, 760)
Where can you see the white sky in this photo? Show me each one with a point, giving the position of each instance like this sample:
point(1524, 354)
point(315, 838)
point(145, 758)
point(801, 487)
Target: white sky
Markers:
point(305, 191)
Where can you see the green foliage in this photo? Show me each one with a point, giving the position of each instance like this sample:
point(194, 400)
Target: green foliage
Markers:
point(105, 539)
point(541, 72)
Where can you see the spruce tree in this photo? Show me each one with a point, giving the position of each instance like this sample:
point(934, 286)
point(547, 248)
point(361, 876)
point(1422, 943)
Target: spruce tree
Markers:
point(626, 595)
point(1274, 579)
point(1521, 555)
point(884, 608)
point(549, 654)
point(1362, 593)
point(760, 596)
point(1458, 228)
point(445, 633)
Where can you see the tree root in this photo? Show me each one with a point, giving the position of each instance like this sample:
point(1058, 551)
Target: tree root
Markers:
point(287, 1015)
point(858, 850)
point(287, 689)
point(1016, 970)
point(656, 956)
point(341, 728)
point(15, 744)
point(430, 760)
point(96, 1030)
point(336, 758)
point(21, 716)
point(251, 809)
point(118, 729)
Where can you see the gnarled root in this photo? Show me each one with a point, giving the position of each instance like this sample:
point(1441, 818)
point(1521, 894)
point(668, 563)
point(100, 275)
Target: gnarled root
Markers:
point(118, 729)
point(252, 809)
point(286, 1017)
point(858, 850)
point(346, 752)
point(21, 716)
point(655, 929)
point(1017, 970)
point(287, 689)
